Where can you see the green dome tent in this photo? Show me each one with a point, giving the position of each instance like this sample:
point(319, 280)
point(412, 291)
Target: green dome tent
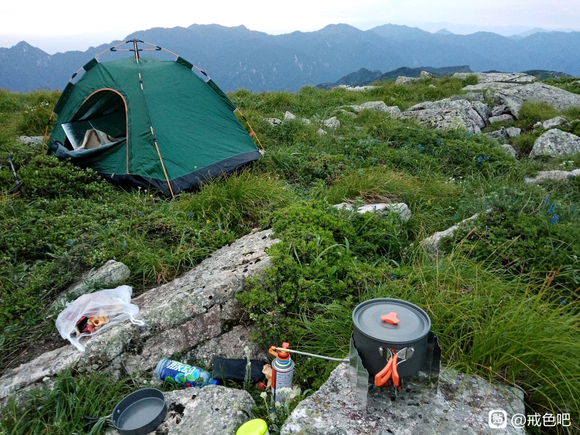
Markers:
point(145, 122)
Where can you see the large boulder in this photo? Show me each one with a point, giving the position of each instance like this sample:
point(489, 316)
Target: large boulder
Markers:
point(555, 143)
point(446, 114)
point(459, 404)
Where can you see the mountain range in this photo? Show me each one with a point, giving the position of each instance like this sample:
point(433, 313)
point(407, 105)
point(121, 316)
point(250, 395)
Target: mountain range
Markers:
point(236, 57)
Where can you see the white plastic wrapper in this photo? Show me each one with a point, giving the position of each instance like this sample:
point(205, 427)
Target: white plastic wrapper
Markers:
point(113, 303)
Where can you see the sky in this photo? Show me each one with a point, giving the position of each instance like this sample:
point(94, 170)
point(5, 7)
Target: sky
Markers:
point(60, 26)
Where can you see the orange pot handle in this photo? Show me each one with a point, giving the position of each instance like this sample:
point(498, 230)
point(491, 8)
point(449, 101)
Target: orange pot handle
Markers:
point(384, 375)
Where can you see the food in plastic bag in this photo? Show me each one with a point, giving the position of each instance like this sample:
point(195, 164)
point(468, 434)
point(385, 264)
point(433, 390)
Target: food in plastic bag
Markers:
point(94, 312)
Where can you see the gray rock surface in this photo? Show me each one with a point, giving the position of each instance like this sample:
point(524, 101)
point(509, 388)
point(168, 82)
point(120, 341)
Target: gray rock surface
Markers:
point(212, 410)
point(331, 123)
point(558, 121)
point(460, 405)
point(498, 77)
point(446, 114)
point(514, 95)
point(552, 175)
point(482, 110)
point(356, 88)
point(501, 118)
point(201, 411)
point(509, 150)
point(431, 243)
point(500, 135)
point(33, 141)
point(554, 143)
point(402, 80)
point(513, 131)
point(180, 316)
point(401, 209)
point(273, 121)
point(378, 106)
point(109, 275)
point(47, 365)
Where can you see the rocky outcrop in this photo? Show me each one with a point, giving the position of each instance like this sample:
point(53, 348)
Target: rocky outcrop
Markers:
point(555, 143)
point(182, 316)
point(459, 404)
point(513, 95)
point(446, 114)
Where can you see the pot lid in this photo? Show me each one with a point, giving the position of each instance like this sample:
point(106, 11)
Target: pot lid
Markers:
point(391, 320)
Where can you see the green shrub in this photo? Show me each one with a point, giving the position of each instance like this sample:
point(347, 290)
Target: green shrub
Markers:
point(324, 255)
point(525, 237)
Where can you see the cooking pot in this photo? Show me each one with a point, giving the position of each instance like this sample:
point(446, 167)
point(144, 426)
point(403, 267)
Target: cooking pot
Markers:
point(387, 324)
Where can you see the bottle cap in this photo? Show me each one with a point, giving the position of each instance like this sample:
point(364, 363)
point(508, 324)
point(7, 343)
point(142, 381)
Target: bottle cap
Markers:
point(253, 427)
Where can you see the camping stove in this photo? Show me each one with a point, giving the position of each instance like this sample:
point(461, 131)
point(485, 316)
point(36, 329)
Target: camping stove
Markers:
point(426, 377)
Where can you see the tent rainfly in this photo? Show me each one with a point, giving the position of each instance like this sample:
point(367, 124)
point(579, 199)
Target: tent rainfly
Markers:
point(145, 122)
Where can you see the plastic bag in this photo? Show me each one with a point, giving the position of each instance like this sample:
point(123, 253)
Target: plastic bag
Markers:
point(107, 308)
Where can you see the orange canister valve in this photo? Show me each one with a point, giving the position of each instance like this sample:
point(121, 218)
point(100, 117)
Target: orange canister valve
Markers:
point(281, 355)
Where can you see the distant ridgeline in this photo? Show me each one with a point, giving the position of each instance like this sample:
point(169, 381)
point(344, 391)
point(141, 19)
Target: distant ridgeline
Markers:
point(236, 57)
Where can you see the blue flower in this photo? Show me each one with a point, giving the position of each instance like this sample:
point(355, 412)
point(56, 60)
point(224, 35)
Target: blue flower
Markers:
point(360, 171)
point(547, 201)
point(190, 214)
point(554, 219)
point(393, 276)
point(479, 159)
point(486, 157)
point(70, 242)
point(124, 243)
point(551, 209)
point(323, 153)
point(456, 216)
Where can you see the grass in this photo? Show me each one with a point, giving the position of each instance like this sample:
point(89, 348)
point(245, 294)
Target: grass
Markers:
point(500, 311)
point(61, 409)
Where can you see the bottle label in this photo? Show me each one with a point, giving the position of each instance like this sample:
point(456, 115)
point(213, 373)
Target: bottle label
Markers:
point(282, 380)
point(181, 374)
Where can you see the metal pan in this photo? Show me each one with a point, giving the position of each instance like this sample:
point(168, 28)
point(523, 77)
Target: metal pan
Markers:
point(140, 412)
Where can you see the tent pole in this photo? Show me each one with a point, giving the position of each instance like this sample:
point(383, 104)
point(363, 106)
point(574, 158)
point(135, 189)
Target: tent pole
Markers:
point(136, 50)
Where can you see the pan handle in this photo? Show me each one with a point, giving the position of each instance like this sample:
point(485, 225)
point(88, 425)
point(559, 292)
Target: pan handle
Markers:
point(382, 377)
